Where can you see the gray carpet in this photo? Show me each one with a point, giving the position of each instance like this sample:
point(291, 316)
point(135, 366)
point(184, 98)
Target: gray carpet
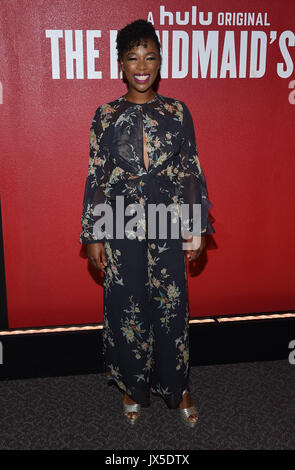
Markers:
point(241, 406)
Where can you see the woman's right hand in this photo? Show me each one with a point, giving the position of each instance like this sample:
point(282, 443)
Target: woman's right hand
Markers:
point(97, 255)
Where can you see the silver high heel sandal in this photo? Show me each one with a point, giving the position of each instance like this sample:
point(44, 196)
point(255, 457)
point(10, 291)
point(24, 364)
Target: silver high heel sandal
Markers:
point(135, 408)
point(185, 413)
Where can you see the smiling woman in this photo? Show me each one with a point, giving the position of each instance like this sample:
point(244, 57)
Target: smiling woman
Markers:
point(140, 61)
point(142, 147)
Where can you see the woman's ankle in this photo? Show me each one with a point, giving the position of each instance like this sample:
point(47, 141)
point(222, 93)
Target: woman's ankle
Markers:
point(186, 401)
point(127, 399)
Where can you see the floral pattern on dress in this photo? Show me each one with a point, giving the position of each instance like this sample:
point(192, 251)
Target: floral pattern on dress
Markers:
point(167, 293)
point(115, 375)
point(112, 271)
point(107, 334)
point(168, 299)
point(182, 357)
point(145, 334)
point(116, 145)
point(136, 335)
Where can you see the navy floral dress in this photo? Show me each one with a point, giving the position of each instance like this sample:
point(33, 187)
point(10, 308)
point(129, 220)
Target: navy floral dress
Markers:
point(145, 330)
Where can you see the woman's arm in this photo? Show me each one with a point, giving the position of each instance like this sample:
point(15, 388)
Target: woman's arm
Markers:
point(194, 187)
point(97, 178)
point(96, 181)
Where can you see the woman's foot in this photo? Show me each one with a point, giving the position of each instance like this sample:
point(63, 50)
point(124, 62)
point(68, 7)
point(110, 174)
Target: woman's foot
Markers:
point(187, 402)
point(131, 415)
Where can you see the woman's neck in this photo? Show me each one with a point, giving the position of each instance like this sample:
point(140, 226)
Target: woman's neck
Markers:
point(140, 98)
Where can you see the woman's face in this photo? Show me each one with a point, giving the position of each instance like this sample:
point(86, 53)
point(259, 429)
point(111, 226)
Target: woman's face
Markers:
point(141, 65)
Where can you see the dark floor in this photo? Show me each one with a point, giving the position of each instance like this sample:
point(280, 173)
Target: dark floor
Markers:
point(241, 406)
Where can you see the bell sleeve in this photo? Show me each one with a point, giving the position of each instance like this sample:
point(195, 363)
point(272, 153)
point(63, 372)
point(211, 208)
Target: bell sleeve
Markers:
point(96, 180)
point(193, 182)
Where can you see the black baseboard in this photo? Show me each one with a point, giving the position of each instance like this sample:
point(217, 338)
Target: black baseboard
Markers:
point(3, 297)
point(51, 354)
point(241, 341)
point(80, 352)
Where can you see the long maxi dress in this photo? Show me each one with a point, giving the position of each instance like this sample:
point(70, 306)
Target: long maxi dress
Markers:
point(145, 326)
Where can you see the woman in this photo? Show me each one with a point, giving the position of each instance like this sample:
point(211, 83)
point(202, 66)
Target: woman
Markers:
point(142, 149)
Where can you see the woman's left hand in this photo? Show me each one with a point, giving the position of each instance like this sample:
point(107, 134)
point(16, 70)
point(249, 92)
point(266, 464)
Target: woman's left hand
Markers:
point(192, 255)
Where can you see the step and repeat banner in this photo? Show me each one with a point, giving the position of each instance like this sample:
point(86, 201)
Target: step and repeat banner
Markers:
point(231, 62)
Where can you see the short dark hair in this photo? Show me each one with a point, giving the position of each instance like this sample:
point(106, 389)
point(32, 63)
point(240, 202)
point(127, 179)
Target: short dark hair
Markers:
point(134, 34)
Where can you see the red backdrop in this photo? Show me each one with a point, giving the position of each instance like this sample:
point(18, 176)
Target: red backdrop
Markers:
point(243, 125)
